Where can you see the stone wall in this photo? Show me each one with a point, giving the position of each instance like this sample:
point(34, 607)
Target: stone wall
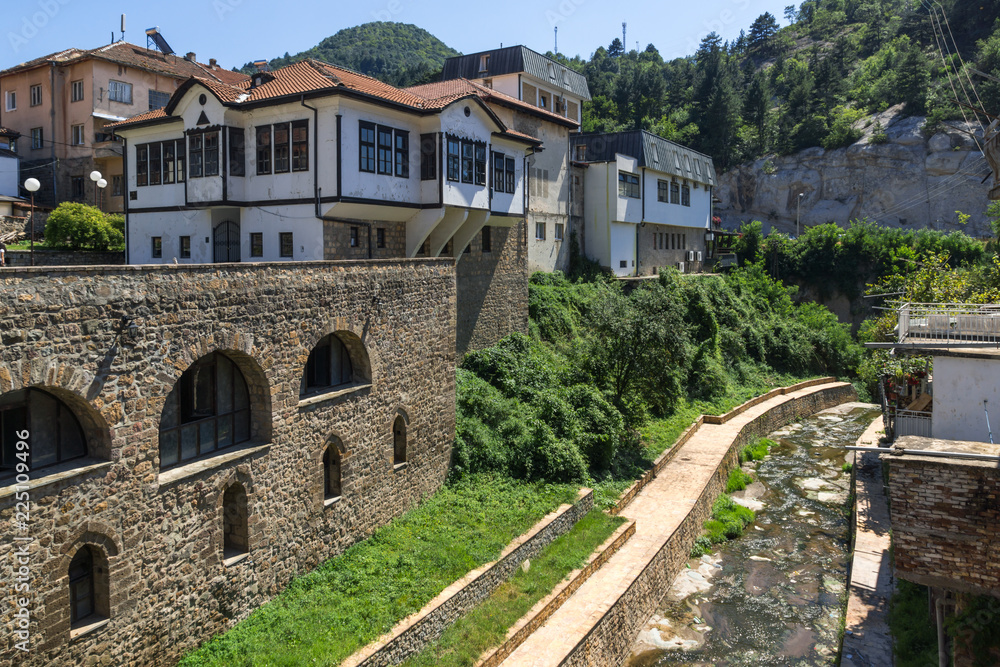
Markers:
point(492, 289)
point(610, 640)
point(13, 223)
point(158, 535)
point(337, 239)
point(945, 520)
point(65, 258)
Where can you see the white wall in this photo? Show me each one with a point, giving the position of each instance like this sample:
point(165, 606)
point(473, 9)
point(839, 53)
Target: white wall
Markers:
point(960, 386)
point(623, 248)
point(597, 216)
point(628, 209)
point(697, 215)
point(8, 174)
point(477, 126)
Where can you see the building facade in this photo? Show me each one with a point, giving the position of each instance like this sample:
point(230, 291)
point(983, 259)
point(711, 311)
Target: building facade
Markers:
point(541, 97)
point(647, 202)
point(61, 104)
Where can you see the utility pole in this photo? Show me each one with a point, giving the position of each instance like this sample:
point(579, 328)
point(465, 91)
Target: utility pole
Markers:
point(623, 36)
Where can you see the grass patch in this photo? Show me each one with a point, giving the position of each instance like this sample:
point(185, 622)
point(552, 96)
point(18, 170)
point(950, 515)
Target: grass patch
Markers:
point(847, 467)
point(26, 245)
point(756, 451)
point(727, 523)
point(738, 480)
point(324, 616)
point(487, 625)
point(911, 626)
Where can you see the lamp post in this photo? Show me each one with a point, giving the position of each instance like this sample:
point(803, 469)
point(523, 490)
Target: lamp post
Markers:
point(32, 185)
point(96, 177)
point(101, 184)
point(798, 210)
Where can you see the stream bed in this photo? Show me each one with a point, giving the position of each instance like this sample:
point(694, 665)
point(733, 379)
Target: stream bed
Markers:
point(776, 595)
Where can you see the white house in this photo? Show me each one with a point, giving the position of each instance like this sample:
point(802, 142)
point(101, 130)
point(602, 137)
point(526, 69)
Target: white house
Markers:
point(542, 97)
point(313, 161)
point(647, 201)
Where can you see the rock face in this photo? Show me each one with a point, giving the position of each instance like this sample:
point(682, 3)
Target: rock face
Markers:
point(912, 180)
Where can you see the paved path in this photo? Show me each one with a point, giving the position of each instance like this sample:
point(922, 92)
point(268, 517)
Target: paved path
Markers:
point(867, 642)
point(657, 510)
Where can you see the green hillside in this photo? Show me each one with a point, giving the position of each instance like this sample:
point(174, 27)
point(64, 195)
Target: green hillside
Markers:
point(397, 53)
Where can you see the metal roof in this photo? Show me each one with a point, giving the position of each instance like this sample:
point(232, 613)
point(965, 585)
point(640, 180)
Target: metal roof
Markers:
point(515, 59)
point(651, 151)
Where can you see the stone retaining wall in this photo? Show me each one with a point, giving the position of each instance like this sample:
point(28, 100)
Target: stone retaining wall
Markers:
point(610, 641)
point(413, 633)
point(65, 258)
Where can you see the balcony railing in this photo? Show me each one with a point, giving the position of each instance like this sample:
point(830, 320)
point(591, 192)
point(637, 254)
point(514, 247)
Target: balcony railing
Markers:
point(909, 422)
point(949, 324)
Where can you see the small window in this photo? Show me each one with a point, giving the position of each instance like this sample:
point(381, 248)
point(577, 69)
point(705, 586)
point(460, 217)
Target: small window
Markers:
point(384, 150)
point(181, 160)
point(55, 432)
point(675, 193)
point(331, 472)
point(237, 151)
point(509, 169)
point(81, 586)
point(453, 159)
point(169, 161)
point(142, 164)
point(119, 91)
point(116, 185)
point(282, 148)
point(36, 95)
point(399, 441)
point(543, 101)
point(580, 152)
point(10, 98)
point(155, 163)
point(468, 161)
point(157, 249)
point(380, 237)
point(76, 88)
point(662, 188)
point(36, 138)
point(287, 248)
point(211, 153)
point(499, 182)
point(329, 365)
point(235, 536)
point(540, 231)
point(685, 195)
point(185, 249)
point(480, 164)
point(628, 185)
point(263, 150)
point(367, 147)
point(77, 135)
point(428, 157)
point(196, 150)
point(256, 244)
point(484, 63)
point(559, 231)
point(76, 183)
point(300, 145)
point(354, 237)
point(158, 100)
point(623, 264)
point(487, 238)
point(402, 154)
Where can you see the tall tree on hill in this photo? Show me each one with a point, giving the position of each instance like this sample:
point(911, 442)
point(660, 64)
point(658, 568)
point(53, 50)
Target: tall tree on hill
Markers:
point(715, 103)
point(762, 32)
point(616, 49)
point(757, 113)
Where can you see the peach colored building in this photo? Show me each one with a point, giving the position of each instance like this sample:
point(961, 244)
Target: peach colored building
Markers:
point(61, 102)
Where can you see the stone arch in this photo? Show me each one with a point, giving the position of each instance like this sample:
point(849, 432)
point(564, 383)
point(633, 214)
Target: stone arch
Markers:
point(235, 520)
point(355, 338)
point(400, 436)
point(103, 548)
point(333, 468)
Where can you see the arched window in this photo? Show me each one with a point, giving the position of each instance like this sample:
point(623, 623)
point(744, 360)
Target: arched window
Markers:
point(81, 586)
point(236, 538)
point(208, 409)
point(331, 472)
point(54, 434)
point(329, 365)
point(399, 441)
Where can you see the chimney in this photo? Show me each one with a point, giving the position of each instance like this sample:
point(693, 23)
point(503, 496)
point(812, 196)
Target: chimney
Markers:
point(213, 63)
point(190, 56)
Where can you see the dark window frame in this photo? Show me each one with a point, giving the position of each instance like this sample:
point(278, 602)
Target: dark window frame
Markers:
point(401, 142)
point(486, 239)
point(510, 166)
point(37, 138)
point(119, 89)
point(628, 185)
point(428, 157)
point(330, 356)
point(468, 162)
point(675, 192)
point(380, 237)
point(663, 191)
point(281, 141)
point(256, 244)
point(155, 163)
point(286, 244)
point(16, 415)
point(480, 162)
point(156, 97)
point(384, 143)
point(74, 87)
point(82, 593)
point(454, 152)
point(185, 247)
point(142, 165)
point(685, 195)
point(32, 101)
point(366, 146)
point(156, 247)
point(262, 148)
point(237, 151)
point(300, 145)
point(498, 173)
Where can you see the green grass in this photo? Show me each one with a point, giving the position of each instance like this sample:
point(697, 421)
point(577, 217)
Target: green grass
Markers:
point(913, 631)
point(26, 245)
point(738, 480)
point(350, 600)
point(727, 523)
point(487, 625)
point(756, 451)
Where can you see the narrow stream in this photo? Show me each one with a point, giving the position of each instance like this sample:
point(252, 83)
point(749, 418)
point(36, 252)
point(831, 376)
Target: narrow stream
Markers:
point(776, 595)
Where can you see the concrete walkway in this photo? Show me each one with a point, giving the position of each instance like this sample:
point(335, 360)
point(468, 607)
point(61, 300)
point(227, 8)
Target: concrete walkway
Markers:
point(867, 642)
point(658, 510)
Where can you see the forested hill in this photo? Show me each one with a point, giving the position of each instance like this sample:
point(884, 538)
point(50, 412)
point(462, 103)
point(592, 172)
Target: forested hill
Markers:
point(783, 89)
point(397, 53)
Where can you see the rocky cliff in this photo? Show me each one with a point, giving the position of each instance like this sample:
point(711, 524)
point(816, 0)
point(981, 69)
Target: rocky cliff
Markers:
point(913, 178)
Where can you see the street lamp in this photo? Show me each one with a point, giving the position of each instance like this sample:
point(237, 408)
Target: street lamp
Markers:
point(32, 185)
point(101, 184)
point(96, 177)
point(798, 209)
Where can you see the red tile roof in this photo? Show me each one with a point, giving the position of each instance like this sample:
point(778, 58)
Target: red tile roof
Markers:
point(455, 88)
point(141, 118)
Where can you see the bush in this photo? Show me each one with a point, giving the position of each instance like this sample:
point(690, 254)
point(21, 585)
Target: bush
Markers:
point(738, 480)
point(77, 226)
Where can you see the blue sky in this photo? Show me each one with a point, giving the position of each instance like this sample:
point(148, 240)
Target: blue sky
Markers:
point(239, 31)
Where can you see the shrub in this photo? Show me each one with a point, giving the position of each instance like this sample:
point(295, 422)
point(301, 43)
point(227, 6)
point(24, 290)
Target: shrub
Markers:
point(738, 480)
point(77, 226)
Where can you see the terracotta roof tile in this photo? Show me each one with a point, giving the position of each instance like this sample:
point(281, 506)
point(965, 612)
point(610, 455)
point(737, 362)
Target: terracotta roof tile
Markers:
point(455, 88)
point(521, 135)
point(141, 118)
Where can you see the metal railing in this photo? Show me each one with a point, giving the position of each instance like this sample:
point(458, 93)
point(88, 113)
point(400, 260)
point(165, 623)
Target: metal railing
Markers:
point(910, 422)
point(949, 323)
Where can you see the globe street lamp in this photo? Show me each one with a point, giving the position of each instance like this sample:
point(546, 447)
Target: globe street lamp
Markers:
point(32, 185)
point(95, 176)
point(101, 184)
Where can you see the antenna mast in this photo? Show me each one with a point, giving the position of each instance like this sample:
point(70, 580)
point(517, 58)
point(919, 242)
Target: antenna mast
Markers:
point(623, 35)
point(557, 41)
point(123, 29)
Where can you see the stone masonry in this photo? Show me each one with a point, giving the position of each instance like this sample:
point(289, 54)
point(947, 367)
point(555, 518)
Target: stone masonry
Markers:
point(157, 536)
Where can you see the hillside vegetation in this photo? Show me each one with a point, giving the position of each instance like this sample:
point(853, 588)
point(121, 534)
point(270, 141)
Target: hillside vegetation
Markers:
point(397, 53)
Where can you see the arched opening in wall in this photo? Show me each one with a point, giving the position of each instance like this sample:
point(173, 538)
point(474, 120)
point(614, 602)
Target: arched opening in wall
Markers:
point(399, 441)
point(235, 535)
point(38, 429)
point(339, 360)
point(227, 242)
point(88, 587)
point(207, 410)
point(332, 470)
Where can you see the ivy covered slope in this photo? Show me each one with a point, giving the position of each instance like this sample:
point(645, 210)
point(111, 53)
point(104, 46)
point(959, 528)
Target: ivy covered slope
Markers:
point(568, 403)
point(396, 53)
point(783, 89)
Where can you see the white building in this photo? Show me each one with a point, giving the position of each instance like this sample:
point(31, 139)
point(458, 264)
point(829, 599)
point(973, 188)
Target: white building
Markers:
point(316, 162)
point(647, 202)
point(543, 98)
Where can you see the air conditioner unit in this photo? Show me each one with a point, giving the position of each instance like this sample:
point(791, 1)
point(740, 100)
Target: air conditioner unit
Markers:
point(699, 255)
point(680, 266)
point(690, 255)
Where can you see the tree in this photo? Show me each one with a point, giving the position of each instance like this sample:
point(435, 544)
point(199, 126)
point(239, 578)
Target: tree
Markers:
point(78, 227)
point(762, 33)
point(616, 49)
point(790, 13)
